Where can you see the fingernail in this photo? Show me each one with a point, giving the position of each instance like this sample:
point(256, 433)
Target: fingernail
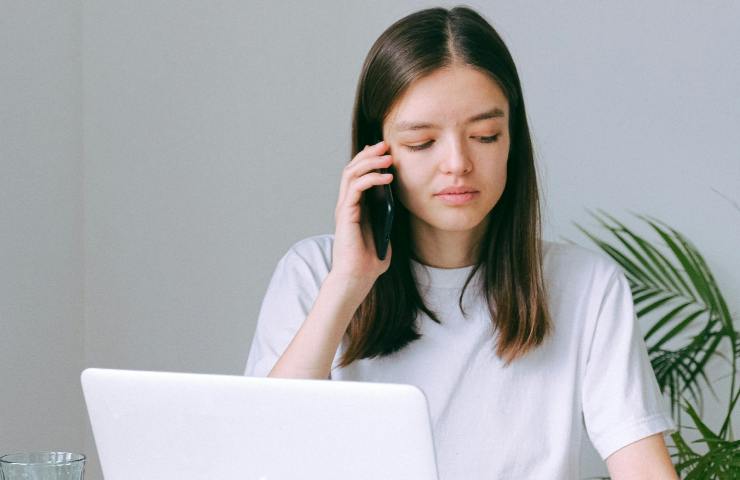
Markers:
point(379, 143)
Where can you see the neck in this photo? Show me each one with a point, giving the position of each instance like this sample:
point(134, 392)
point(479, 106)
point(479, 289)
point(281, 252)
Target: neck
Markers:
point(447, 249)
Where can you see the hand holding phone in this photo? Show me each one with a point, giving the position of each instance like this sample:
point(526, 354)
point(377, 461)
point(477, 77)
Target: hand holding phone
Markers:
point(362, 248)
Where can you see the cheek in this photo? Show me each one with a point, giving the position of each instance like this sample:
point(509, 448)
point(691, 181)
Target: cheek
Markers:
point(413, 170)
point(409, 184)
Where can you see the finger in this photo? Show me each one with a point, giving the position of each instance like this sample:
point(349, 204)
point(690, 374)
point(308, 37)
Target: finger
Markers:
point(361, 169)
point(353, 193)
point(349, 172)
point(380, 146)
point(367, 165)
point(363, 183)
point(369, 151)
point(353, 198)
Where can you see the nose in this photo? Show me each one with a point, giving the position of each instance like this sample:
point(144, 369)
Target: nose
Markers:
point(457, 159)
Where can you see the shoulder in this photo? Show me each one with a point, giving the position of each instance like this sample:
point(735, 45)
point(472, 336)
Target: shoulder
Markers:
point(577, 265)
point(580, 283)
point(313, 252)
point(314, 247)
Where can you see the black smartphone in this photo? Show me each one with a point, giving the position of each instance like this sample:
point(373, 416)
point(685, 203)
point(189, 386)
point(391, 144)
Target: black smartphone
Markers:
point(379, 201)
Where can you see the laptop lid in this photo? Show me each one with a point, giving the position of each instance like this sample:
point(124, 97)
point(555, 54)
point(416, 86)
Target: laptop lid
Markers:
point(184, 426)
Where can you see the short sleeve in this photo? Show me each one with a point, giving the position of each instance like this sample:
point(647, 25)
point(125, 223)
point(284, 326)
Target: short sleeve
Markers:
point(289, 298)
point(622, 402)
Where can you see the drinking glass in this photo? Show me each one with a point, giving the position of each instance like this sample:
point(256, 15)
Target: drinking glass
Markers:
point(42, 466)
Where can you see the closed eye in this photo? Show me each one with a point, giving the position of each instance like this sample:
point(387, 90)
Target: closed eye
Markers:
point(428, 144)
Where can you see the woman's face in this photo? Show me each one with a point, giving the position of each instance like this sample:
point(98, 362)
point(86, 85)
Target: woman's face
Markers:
point(449, 129)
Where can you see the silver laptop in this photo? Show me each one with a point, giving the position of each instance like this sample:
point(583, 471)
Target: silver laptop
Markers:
point(184, 426)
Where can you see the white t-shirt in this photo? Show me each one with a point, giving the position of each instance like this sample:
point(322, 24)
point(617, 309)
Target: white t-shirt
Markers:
point(524, 421)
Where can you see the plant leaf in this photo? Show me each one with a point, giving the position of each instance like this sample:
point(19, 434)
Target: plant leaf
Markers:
point(665, 319)
point(690, 268)
point(680, 327)
point(651, 258)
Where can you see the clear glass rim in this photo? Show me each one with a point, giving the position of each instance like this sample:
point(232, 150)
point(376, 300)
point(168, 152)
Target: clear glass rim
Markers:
point(25, 456)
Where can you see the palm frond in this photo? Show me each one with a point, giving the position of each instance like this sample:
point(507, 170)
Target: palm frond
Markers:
point(684, 459)
point(722, 461)
point(727, 423)
point(675, 372)
point(697, 269)
point(660, 268)
point(667, 319)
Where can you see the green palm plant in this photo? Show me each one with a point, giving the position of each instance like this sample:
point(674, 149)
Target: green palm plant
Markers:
point(692, 326)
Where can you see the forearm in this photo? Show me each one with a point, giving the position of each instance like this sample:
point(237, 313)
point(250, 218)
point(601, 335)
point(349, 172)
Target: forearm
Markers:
point(646, 459)
point(311, 352)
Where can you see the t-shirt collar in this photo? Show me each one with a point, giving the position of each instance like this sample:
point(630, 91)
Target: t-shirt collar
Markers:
point(442, 277)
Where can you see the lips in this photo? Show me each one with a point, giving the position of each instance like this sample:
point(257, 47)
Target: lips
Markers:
point(456, 190)
point(457, 198)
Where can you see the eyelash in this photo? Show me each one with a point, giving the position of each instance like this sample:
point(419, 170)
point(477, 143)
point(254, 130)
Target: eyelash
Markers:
point(423, 146)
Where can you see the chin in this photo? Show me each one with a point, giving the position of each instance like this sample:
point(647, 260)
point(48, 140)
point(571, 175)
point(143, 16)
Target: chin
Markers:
point(456, 221)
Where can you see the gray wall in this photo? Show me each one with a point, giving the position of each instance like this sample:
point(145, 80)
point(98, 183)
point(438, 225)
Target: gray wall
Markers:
point(213, 138)
point(41, 260)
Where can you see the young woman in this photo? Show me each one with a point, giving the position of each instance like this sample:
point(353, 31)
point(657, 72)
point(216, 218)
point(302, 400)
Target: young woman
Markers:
point(520, 344)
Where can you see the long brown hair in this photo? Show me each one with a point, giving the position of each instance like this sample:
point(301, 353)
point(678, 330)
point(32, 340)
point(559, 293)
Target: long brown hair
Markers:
point(511, 256)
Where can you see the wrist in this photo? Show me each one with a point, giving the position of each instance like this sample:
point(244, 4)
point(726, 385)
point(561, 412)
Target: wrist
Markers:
point(349, 289)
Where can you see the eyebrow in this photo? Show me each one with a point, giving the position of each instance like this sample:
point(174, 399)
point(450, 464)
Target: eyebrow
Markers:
point(493, 113)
